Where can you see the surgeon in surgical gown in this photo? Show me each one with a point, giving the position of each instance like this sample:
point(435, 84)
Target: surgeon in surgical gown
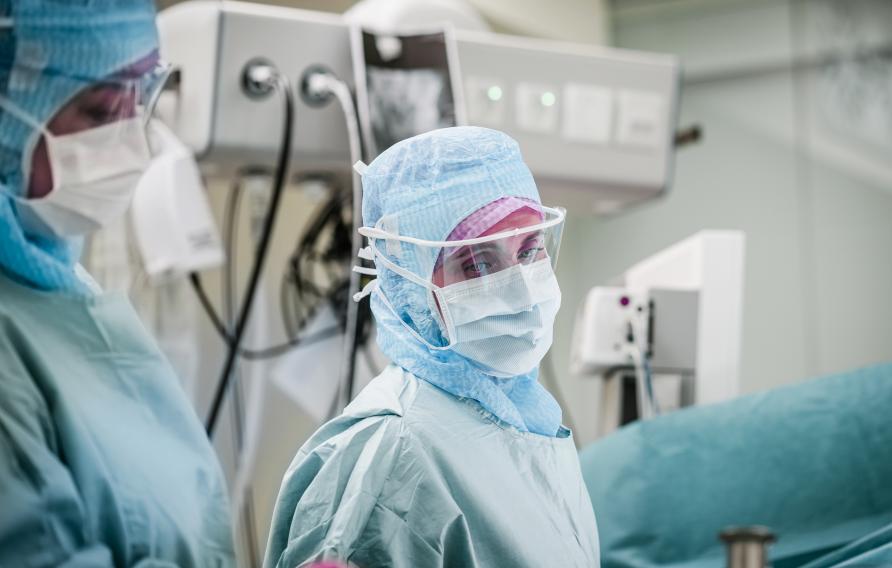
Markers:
point(455, 455)
point(102, 460)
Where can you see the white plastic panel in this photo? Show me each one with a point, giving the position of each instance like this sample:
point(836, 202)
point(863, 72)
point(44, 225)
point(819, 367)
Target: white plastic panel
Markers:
point(713, 263)
point(189, 34)
point(640, 120)
point(601, 328)
point(536, 108)
point(560, 101)
point(588, 114)
point(486, 101)
point(574, 146)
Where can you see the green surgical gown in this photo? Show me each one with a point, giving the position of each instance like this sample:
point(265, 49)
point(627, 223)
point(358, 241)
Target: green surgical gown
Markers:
point(411, 476)
point(102, 459)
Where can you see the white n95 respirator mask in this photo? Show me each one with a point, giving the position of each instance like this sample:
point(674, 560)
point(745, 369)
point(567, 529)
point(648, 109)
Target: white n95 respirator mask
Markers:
point(495, 297)
point(94, 173)
point(173, 224)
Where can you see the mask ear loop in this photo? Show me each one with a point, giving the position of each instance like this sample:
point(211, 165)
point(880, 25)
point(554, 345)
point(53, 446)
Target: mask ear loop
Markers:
point(440, 304)
point(18, 112)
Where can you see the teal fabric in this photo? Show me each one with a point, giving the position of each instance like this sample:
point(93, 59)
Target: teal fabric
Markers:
point(411, 476)
point(424, 187)
point(874, 550)
point(55, 49)
point(811, 461)
point(102, 459)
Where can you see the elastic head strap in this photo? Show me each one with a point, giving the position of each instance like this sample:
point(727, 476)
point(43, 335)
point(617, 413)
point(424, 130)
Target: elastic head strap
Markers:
point(378, 232)
point(366, 290)
point(374, 287)
point(16, 111)
point(390, 265)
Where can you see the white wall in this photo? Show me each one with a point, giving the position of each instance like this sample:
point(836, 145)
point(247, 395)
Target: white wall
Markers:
point(817, 222)
point(570, 20)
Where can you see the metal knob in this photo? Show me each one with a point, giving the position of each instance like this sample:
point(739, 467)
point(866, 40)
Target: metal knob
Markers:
point(259, 78)
point(747, 547)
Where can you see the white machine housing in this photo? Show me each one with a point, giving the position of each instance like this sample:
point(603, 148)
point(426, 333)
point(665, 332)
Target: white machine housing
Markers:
point(688, 302)
point(602, 327)
point(596, 124)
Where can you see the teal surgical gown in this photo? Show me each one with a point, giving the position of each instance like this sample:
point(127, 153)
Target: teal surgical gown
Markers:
point(812, 461)
point(102, 459)
point(411, 476)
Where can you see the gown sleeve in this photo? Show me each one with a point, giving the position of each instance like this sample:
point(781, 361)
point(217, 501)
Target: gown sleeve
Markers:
point(334, 503)
point(42, 518)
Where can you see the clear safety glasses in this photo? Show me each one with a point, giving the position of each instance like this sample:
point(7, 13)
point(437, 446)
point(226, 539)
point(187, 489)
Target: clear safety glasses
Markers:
point(131, 93)
point(151, 86)
point(113, 107)
point(534, 242)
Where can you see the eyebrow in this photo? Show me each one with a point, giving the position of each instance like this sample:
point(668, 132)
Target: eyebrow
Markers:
point(105, 85)
point(472, 250)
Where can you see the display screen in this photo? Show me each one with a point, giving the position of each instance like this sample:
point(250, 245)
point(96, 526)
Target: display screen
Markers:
point(405, 86)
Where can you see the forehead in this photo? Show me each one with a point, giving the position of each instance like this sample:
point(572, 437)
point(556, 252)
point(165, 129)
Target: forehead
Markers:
point(525, 217)
point(506, 246)
point(139, 68)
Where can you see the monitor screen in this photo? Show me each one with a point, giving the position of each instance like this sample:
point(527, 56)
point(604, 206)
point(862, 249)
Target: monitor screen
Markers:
point(406, 85)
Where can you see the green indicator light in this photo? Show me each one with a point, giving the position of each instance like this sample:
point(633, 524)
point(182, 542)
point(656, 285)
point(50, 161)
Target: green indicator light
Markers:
point(548, 99)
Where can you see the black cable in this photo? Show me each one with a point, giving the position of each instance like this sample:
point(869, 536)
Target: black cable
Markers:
point(283, 348)
point(351, 362)
point(218, 324)
point(296, 261)
point(287, 306)
point(369, 360)
point(648, 375)
point(281, 176)
point(329, 210)
point(299, 294)
point(255, 354)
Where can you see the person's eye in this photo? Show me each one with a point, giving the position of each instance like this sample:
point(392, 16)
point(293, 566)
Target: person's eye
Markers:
point(99, 115)
point(476, 269)
point(529, 254)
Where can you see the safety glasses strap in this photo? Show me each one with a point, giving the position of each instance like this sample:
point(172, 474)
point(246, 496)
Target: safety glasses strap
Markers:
point(373, 286)
point(408, 275)
point(378, 232)
point(16, 111)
